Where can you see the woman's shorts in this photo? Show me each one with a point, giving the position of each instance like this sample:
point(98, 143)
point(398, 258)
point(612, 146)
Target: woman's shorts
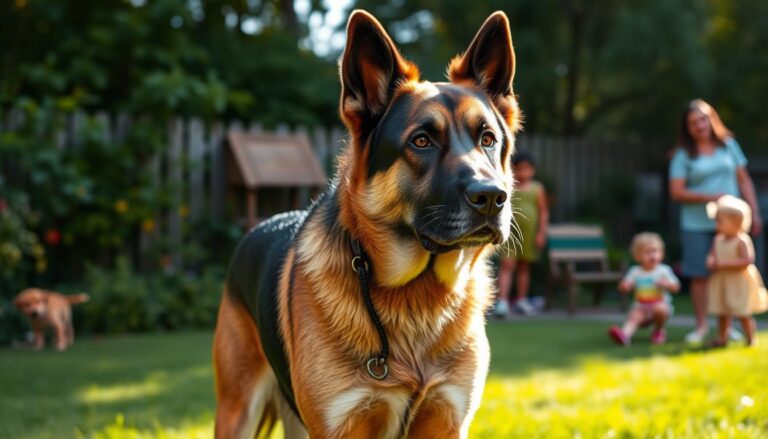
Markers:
point(696, 246)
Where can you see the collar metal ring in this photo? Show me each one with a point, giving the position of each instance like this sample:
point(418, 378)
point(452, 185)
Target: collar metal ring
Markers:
point(358, 262)
point(377, 363)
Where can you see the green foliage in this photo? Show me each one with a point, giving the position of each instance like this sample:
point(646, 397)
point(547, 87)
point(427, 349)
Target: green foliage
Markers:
point(189, 300)
point(20, 250)
point(124, 301)
point(165, 57)
point(120, 301)
point(89, 199)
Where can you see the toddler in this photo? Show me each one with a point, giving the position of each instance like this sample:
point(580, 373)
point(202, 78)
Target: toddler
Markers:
point(652, 281)
point(735, 288)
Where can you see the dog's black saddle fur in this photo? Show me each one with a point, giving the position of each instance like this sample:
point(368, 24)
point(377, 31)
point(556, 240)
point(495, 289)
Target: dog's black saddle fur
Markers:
point(253, 280)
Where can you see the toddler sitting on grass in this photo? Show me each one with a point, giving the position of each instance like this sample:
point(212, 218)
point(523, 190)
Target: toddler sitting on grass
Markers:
point(652, 281)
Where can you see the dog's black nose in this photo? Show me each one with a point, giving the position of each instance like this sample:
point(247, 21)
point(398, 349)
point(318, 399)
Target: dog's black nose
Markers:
point(33, 314)
point(486, 198)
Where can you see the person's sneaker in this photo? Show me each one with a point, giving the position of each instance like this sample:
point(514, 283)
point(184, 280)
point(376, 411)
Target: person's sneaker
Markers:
point(502, 309)
point(618, 336)
point(538, 302)
point(659, 337)
point(524, 307)
point(735, 335)
point(695, 337)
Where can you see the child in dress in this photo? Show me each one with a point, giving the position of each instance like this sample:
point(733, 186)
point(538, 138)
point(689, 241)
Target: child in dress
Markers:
point(652, 281)
point(532, 217)
point(735, 287)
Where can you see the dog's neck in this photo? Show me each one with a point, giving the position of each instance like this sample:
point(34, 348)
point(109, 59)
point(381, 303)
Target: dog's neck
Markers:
point(449, 288)
point(398, 258)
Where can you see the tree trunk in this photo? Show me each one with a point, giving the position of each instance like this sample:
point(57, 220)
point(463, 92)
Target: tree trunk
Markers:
point(576, 18)
point(288, 14)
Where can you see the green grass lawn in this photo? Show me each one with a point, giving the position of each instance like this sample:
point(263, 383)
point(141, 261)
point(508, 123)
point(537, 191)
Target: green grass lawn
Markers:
point(548, 379)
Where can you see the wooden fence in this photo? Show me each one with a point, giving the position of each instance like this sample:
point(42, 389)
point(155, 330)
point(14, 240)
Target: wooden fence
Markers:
point(580, 169)
point(194, 163)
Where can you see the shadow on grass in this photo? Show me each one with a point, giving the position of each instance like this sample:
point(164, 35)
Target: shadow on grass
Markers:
point(151, 380)
point(522, 347)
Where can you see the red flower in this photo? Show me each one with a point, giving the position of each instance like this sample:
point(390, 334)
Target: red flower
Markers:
point(52, 237)
point(3, 205)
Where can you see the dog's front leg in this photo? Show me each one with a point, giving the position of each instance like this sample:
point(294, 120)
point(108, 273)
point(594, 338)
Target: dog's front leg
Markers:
point(439, 416)
point(372, 421)
point(39, 342)
point(61, 336)
point(449, 407)
point(70, 333)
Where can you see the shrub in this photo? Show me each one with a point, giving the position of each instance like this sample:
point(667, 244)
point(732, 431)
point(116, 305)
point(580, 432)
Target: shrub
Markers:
point(189, 300)
point(121, 301)
point(21, 252)
point(124, 301)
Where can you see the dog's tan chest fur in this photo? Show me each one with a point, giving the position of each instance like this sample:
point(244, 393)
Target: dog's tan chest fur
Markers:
point(431, 322)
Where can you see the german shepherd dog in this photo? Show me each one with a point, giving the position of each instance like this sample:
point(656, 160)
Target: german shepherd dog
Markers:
point(421, 198)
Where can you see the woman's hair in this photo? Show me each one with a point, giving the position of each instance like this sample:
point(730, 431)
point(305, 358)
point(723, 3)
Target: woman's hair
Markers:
point(719, 131)
point(522, 156)
point(643, 240)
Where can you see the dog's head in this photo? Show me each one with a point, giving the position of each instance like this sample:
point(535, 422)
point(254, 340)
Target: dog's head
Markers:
point(32, 302)
point(430, 160)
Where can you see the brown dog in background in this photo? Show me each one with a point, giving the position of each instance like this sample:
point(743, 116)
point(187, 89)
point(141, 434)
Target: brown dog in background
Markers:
point(49, 309)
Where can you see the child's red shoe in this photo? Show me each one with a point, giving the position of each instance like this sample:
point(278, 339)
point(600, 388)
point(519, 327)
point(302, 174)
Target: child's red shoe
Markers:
point(618, 336)
point(659, 337)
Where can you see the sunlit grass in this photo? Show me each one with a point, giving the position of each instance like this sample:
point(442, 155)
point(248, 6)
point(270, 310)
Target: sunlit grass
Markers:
point(692, 394)
point(549, 379)
point(143, 386)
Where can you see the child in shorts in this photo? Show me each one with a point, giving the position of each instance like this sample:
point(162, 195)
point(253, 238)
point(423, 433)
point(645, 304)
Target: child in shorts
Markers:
point(652, 281)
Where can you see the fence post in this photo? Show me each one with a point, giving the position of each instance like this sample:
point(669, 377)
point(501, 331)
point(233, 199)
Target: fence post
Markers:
point(196, 147)
point(150, 226)
point(175, 170)
point(218, 190)
point(102, 119)
point(76, 129)
point(122, 127)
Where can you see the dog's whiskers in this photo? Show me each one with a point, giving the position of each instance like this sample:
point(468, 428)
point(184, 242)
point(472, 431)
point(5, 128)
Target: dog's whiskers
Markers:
point(432, 221)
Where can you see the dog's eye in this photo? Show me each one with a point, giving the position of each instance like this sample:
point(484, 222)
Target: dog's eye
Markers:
point(421, 141)
point(488, 139)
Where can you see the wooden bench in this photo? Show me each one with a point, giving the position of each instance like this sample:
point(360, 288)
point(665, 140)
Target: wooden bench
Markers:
point(577, 255)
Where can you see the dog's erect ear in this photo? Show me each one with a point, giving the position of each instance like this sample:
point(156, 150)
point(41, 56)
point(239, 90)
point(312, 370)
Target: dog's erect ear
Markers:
point(489, 63)
point(490, 59)
point(371, 68)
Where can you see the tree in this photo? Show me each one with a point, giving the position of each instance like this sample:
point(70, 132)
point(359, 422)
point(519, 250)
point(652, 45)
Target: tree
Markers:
point(603, 67)
point(220, 57)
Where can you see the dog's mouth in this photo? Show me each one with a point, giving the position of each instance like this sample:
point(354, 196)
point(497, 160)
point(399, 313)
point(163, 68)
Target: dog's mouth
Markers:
point(482, 235)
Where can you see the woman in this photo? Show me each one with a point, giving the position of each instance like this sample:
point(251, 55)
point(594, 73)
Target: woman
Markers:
point(707, 164)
